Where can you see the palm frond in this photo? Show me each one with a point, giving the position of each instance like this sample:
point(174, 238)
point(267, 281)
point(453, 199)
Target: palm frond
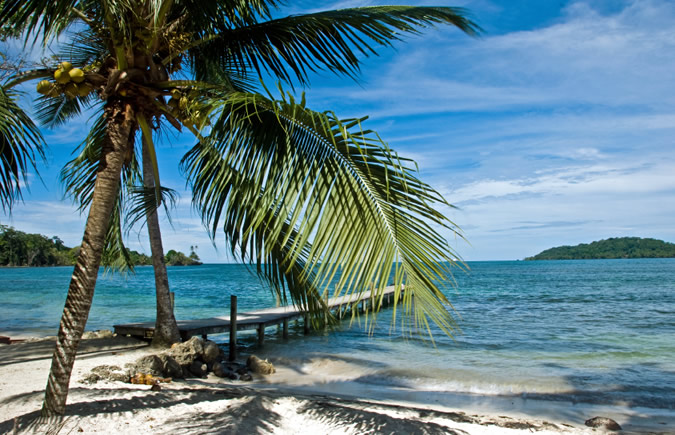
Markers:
point(143, 201)
point(21, 146)
point(293, 47)
point(47, 18)
point(55, 111)
point(299, 189)
point(206, 16)
point(84, 48)
point(116, 257)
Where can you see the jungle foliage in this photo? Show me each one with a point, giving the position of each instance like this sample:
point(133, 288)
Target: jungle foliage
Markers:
point(23, 249)
point(618, 247)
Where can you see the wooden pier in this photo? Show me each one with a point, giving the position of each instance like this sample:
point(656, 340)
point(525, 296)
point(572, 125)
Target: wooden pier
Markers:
point(258, 319)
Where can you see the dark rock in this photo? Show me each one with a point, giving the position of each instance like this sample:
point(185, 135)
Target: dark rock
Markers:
point(246, 377)
point(241, 370)
point(155, 387)
point(211, 352)
point(223, 371)
point(149, 364)
point(170, 366)
point(603, 422)
point(220, 370)
point(259, 366)
point(199, 369)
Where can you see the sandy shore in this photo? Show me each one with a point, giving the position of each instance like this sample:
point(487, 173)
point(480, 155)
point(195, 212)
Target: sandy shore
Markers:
point(283, 403)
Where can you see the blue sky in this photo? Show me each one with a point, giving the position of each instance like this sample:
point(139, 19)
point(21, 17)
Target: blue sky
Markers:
point(556, 127)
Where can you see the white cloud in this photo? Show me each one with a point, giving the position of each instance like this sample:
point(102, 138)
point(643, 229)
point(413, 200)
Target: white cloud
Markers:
point(586, 58)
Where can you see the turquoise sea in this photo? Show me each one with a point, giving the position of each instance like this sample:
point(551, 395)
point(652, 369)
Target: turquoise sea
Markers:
point(599, 331)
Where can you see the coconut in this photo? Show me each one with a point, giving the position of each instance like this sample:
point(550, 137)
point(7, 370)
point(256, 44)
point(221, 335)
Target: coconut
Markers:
point(84, 89)
point(44, 87)
point(76, 75)
point(61, 76)
point(66, 66)
point(71, 90)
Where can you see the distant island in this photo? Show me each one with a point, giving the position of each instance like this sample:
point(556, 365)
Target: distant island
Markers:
point(22, 249)
point(619, 247)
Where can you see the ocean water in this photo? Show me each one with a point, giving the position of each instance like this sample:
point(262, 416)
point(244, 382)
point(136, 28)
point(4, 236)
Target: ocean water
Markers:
point(598, 331)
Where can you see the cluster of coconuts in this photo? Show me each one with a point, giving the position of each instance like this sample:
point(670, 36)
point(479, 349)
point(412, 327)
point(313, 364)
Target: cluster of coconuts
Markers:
point(69, 81)
point(183, 108)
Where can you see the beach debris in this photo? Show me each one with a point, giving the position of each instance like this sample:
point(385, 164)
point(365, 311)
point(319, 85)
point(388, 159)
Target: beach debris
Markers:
point(148, 379)
point(259, 366)
point(603, 422)
point(106, 373)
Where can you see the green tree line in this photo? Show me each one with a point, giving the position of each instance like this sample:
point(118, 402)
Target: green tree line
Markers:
point(619, 247)
point(23, 249)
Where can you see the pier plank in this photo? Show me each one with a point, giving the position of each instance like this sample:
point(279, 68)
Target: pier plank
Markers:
point(257, 319)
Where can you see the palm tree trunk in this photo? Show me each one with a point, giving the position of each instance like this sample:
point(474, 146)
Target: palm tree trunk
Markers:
point(166, 329)
point(119, 137)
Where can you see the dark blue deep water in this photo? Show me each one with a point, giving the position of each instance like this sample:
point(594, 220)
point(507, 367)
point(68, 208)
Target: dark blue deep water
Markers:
point(597, 331)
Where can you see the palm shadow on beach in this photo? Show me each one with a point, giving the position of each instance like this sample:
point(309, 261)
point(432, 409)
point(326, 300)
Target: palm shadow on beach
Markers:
point(245, 411)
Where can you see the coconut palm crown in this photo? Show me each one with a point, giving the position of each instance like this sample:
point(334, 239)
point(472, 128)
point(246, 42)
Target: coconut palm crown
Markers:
point(306, 197)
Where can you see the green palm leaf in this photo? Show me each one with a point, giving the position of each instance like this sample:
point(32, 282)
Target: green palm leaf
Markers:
point(38, 17)
point(294, 46)
point(299, 190)
point(21, 145)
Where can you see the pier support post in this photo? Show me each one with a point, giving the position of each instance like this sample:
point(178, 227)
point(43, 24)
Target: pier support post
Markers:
point(233, 328)
point(261, 334)
point(285, 333)
point(306, 324)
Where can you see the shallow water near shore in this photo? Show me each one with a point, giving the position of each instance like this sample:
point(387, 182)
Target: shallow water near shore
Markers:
point(597, 332)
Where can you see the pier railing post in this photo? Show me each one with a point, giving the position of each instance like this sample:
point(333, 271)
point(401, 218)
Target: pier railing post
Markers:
point(233, 328)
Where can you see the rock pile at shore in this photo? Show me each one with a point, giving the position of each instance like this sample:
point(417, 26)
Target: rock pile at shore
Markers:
point(195, 358)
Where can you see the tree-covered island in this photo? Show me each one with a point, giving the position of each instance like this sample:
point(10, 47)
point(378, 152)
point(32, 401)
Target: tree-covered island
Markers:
point(617, 247)
point(22, 249)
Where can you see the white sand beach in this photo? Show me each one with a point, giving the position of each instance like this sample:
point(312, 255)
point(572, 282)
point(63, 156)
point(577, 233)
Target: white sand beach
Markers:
point(287, 402)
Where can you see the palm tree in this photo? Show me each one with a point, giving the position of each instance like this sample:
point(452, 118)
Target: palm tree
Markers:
point(304, 196)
